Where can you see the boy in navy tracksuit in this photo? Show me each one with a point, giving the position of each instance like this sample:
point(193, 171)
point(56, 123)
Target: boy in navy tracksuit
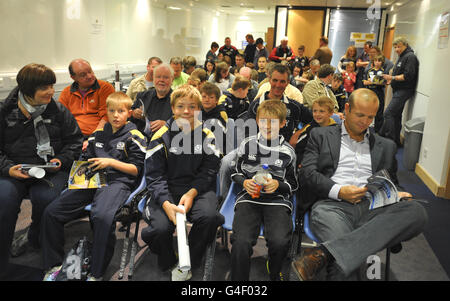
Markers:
point(214, 117)
point(273, 207)
point(234, 100)
point(119, 148)
point(181, 169)
point(373, 80)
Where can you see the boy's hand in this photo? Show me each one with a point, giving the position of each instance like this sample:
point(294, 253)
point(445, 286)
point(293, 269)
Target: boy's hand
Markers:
point(188, 199)
point(271, 185)
point(171, 211)
point(250, 186)
point(85, 145)
point(100, 163)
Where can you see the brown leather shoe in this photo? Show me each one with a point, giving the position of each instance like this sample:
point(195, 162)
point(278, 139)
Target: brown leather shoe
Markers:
point(310, 264)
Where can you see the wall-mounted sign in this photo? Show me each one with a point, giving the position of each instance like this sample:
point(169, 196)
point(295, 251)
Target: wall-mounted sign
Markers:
point(444, 31)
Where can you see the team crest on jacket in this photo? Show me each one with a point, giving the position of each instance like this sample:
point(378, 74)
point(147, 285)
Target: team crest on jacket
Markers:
point(120, 145)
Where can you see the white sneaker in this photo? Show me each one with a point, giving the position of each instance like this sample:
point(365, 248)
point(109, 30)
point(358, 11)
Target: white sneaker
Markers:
point(179, 275)
point(92, 278)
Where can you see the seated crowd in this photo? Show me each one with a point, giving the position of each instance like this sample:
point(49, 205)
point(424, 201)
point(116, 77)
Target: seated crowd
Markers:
point(314, 132)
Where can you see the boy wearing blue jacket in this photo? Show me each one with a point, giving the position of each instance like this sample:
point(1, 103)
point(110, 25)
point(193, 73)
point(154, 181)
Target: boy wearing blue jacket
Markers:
point(181, 168)
point(119, 149)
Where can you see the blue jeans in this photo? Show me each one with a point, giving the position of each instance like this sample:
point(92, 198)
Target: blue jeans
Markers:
point(13, 191)
point(392, 124)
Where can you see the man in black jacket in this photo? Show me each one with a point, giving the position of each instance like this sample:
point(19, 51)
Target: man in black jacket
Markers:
point(403, 82)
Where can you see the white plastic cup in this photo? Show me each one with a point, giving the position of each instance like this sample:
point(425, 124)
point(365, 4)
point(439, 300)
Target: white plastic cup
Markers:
point(36, 172)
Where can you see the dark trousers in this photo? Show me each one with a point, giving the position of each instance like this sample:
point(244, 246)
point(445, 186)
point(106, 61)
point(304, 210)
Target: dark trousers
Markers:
point(392, 124)
point(247, 222)
point(205, 219)
point(351, 233)
point(379, 118)
point(12, 192)
point(105, 203)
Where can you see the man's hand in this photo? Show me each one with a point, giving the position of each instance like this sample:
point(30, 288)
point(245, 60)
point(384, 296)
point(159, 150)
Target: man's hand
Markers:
point(156, 125)
point(271, 185)
point(15, 172)
point(352, 194)
point(138, 114)
point(171, 211)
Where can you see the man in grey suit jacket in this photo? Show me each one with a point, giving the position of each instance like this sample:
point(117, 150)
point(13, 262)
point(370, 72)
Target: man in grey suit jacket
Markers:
point(335, 168)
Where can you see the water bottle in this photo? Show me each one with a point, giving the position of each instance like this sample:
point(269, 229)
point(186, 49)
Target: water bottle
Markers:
point(260, 181)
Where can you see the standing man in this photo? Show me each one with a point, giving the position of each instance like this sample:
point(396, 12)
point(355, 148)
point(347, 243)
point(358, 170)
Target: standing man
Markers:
point(337, 162)
point(403, 82)
point(86, 98)
point(180, 78)
point(323, 53)
point(249, 52)
point(154, 104)
point(260, 51)
point(144, 82)
point(229, 50)
point(361, 63)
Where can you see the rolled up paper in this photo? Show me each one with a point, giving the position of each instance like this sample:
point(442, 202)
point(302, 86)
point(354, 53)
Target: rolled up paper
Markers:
point(36, 172)
point(184, 258)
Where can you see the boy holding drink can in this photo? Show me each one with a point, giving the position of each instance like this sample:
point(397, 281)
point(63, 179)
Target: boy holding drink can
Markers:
point(267, 156)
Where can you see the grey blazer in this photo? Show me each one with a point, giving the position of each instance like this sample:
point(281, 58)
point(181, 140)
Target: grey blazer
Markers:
point(321, 159)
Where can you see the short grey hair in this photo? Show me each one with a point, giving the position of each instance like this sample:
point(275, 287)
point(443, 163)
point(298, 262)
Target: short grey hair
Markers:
point(399, 40)
point(164, 65)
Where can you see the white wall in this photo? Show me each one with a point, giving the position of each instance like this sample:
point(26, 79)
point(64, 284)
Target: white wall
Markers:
point(106, 32)
point(418, 21)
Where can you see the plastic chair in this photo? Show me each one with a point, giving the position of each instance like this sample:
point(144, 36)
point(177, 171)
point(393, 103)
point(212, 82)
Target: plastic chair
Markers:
point(311, 236)
point(127, 214)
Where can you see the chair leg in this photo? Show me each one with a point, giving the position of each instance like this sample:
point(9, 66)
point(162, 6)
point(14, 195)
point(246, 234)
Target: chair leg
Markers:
point(388, 263)
point(123, 259)
point(133, 249)
point(209, 260)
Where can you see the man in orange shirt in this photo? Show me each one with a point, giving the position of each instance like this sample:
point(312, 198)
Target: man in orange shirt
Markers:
point(86, 98)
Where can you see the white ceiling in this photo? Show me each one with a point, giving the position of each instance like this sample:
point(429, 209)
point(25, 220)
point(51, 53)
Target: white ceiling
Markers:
point(268, 6)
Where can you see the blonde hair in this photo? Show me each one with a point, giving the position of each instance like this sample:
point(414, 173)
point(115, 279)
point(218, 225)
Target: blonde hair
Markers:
point(186, 91)
point(273, 107)
point(324, 101)
point(119, 98)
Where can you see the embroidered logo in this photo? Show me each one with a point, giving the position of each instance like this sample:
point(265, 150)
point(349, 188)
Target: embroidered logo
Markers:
point(120, 145)
point(99, 144)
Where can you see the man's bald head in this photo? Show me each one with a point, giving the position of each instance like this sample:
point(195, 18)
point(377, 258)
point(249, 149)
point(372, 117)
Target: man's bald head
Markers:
point(362, 95)
point(246, 72)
